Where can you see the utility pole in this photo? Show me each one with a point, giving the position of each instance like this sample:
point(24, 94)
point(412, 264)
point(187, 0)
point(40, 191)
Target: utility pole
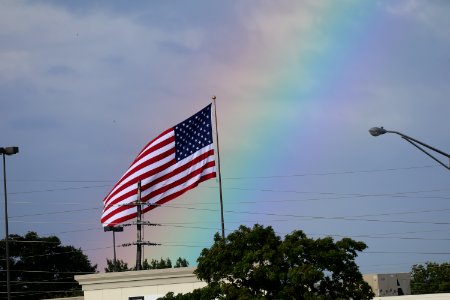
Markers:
point(139, 242)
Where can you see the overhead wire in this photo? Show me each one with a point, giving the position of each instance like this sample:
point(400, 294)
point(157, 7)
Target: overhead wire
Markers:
point(58, 189)
point(374, 236)
point(225, 178)
point(196, 245)
point(250, 177)
point(333, 173)
point(64, 252)
point(404, 194)
point(352, 195)
point(303, 217)
point(49, 272)
point(197, 208)
point(361, 218)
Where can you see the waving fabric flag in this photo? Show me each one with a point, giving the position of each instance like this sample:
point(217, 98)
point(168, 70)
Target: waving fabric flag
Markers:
point(174, 162)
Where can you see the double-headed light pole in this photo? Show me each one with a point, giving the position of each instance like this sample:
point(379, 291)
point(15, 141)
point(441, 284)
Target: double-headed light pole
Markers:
point(7, 151)
point(376, 131)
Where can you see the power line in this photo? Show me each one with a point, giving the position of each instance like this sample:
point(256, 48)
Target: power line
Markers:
point(43, 292)
point(203, 246)
point(375, 236)
point(403, 213)
point(31, 242)
point(59, 180)
point(200, 246)
point(227, 178)
point(303, 217)
point(397, 233)
point(307, 217)
point(49, 272)
point(407, 252)
point(54, 222)
point(387, 237)
point(59, 189)
point(341, 196)
point(196, 208)
point(250, 177)
point(196, 245)
point(56, 212)
point(322, 217)
point(77, 230)
point(65, 252)
point(333, 173)
point(40, 282)
point(350, 195)
point(168, 243)
point(344, 196)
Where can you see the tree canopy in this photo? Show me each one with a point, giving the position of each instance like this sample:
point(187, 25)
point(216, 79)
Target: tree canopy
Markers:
point(430, 278)
point(41, 267)
point(117, 266)
point(255, 263)
point(121, 266)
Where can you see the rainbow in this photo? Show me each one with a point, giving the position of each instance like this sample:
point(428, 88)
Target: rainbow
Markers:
point(274, 85)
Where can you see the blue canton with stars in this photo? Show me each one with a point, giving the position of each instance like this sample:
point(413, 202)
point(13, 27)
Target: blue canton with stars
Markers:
point(193, 134)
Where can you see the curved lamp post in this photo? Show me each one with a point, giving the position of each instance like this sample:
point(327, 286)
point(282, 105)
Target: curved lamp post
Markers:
point(7, 151)
point(376, 131)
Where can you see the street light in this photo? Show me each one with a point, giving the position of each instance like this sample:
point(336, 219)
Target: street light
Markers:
point(376, 131)
point(114, 229)
point(7, 151)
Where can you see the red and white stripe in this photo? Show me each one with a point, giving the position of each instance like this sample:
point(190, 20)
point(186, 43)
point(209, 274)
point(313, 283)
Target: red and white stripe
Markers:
point(162, 178)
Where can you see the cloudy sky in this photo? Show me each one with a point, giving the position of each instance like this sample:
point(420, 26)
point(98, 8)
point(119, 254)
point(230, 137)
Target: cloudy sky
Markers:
point(85, 85)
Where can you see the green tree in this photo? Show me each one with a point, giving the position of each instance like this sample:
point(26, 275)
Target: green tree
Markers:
point(164, 264)
point(40, 267)
point(430, 278)
point(157, 264)
point(181, 263)
point(122, 266)
point(255, 263)
point(119, 266)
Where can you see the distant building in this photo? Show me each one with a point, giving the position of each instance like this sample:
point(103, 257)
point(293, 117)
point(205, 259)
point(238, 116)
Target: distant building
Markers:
point(396, 284)
point(416, 297)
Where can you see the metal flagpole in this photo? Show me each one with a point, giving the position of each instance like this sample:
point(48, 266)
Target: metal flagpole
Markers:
point(219, 169)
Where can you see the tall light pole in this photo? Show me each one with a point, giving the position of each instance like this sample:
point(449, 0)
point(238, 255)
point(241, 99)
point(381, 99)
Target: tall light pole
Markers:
point(7, 151)
point(114, 230)
point(376, 131)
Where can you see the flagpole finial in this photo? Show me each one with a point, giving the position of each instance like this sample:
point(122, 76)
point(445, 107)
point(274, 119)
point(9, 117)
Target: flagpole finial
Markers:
point(213, 97)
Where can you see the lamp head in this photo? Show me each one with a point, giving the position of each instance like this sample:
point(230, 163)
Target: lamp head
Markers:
point(376, 131)
point(113, 228)
point(9, 150)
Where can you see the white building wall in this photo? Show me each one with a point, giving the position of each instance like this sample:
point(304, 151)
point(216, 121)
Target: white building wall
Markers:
point(149, 284)
point(416, 297)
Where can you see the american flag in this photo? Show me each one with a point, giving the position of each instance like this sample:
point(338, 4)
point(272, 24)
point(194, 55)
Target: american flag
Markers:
point(176, 161)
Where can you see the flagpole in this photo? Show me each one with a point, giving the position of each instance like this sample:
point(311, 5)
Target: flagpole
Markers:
point(219, 169)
